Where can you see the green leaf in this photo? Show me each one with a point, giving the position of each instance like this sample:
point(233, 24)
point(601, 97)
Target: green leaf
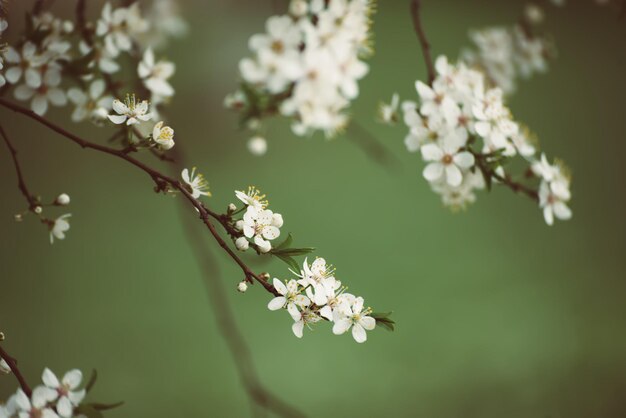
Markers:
point(289, 261)
point(294, 251)
point(382, 319)
point(105, 406)
point(285, 244)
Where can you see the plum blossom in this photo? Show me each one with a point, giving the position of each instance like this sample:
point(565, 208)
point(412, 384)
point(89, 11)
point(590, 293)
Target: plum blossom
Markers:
point(59, 227)
point(196, 183)
point(353, 315)
point(130, 112)
point(93, 104)
point(66, 389)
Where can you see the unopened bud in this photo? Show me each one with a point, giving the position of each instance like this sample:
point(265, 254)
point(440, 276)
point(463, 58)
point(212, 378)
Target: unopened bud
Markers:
point(242, 286)
point(257, 145)
point(534, 14)
point(18, 217)
point(232, 207)
point(242, 243)
point(62, 200)
point(239, 225)
point(38, 210)
point(264, 276)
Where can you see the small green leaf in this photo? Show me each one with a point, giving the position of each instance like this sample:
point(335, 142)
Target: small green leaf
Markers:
point(382, 319)
point(294, 251)
point(285, 244)
point(289, 261)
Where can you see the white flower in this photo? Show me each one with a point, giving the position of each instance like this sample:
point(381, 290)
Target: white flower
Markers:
point(155, 74)
point(93, 104)
point(553, 204)
point(102, 57)
point(388, 112)
point(36, 406)
point(68, 396)
point(353, 315)
point(163, 136)
point(257, 145)
point(436, 103)
point(320, 277)
point(27, 62)
point(62, 200)
point(196, 183)
point(120, 27)
point(242, 244)
point(47, 91)
point(59, 227)
point(304, 317)
point(290, 297)
point(130, 112)
point(446, 160)
point(262, 226)
point(252, 197)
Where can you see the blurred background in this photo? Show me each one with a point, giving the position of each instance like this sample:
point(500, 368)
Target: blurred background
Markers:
point(497, 314)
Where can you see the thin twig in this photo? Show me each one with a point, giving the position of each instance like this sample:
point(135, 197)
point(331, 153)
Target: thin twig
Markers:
point(16, 371)
point(81, 21)
point(504, 180)
point(419, 30)
point(228, 327)
point(161, 180)
point(21, 184)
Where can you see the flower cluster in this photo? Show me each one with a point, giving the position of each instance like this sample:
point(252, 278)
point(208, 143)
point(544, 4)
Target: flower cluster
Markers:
point(54, 52)
point(54, 399)
point(505, 54)
point(306, 66)
point(554, 190)
point(316, 295)
point(466, 134)
point(258, 224)
point(57, 227)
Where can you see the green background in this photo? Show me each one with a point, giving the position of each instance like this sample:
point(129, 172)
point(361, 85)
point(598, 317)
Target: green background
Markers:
point(498, 315)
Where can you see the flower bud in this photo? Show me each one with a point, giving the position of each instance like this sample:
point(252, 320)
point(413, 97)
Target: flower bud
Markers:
point(534, 14)
point(18, 217)
point(232, 207)
point(4, 367)
point(62, 200)
point(242, 286)
point(239, 225)
point(242, 243)
point(257, 146)
point(38, 210)
point(264, 276)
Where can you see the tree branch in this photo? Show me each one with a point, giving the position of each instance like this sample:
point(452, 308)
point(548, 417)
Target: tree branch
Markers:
point(224, 315)
point(419, 30)
point(16, 371)
point(161, 180)
point(21, 184)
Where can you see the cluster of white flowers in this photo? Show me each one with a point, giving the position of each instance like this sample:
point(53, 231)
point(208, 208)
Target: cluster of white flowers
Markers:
point(3, 25)
point(258, 224)
point(55, 51)
point(506, 53)
point(466, 133)
point(315, 296)
point(306, 66)
point(54, 399)
point(554, 190)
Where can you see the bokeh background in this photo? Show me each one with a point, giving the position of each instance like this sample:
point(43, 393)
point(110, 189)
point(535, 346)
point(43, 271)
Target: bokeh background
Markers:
point(497, 314)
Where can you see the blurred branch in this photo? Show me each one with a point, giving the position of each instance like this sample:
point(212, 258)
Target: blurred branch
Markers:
point(14, 369)
point(162, 182)
point(224, 315)
point(419, 30)
point(372, 147)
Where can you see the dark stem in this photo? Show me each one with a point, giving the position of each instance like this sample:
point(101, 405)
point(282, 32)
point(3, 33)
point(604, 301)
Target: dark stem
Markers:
point(16, 371)
point(162, 182)
point(419, 30)
point(481, 163)
point(21, 184)
point(81, 21)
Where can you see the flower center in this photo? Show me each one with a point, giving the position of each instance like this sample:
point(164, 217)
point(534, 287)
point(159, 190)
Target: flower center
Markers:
point(447, 159)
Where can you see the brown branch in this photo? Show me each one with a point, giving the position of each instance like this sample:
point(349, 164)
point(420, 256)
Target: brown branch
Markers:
point(16, 371)
point(161, 180)
point(81, 21)
point(225, 318)
point(21, 184)
point(419, 30)
point(481, 163)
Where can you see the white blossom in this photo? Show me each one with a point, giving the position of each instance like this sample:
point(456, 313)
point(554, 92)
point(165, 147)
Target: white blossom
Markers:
point(353, 315)
point(93, 104)
point(388, 112)
point(66, 389)
point(257, 145)
point(289, 298)
point(446, 160)
point(155, 74)
point(261, 225)
point(163, 136)
point(120, 27)
point(37, 405)
point(59, 227)
point(197, 184)
point(253, 197)
point(130, 112)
